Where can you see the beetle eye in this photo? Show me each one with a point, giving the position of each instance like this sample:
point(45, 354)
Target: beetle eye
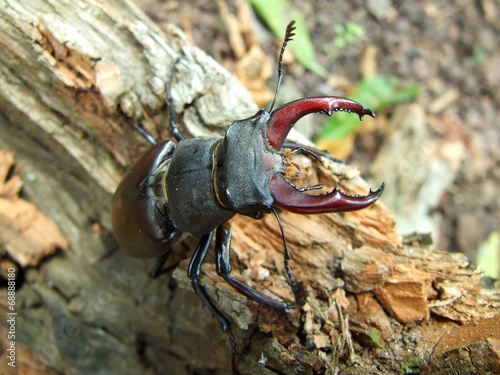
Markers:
point(258, 215)
point(254, 211)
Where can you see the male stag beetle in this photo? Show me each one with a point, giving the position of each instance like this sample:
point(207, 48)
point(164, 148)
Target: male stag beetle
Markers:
point(198, 185)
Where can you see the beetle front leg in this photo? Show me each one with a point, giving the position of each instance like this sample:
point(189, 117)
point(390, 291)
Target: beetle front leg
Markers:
point(174, 128)
point(222, 247)
point(311, 151)
point(298, 287)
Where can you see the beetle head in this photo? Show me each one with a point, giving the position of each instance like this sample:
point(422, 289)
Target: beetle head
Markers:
point(249, 167)
point(243, 165)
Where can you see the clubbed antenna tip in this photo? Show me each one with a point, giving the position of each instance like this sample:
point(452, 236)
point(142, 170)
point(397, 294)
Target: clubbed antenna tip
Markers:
point(289, 34)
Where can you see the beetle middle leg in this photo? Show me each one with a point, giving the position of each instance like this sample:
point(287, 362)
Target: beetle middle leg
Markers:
point(222, 247)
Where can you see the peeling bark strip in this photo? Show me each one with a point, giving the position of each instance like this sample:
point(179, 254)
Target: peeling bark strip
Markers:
point(68, 74)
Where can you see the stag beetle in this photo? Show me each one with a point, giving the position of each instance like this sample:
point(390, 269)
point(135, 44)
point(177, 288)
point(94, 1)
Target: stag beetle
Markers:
point(198, 185)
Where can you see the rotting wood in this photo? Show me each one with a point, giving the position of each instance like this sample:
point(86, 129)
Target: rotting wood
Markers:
point(69, 73)
point(25, 233)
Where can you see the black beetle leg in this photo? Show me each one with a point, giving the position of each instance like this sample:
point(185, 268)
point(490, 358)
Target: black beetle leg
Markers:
point(159, 265)
point(298, 287)
point(194, 274)
point(174, 128)
point(163, 258)
point(222, 247)
point(144, 133)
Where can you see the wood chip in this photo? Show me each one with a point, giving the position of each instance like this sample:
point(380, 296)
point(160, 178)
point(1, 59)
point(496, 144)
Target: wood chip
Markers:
point(27, 235)
point(405, 292)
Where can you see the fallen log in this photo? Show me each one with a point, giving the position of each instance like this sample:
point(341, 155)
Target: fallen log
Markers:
point(72, 77)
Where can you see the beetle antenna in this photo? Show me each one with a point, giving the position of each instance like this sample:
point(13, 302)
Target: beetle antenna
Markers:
point(288, 37)
point(298, 288)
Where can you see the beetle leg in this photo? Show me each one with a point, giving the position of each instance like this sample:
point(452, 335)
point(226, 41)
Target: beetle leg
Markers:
point(298, 287)
point(144, 133)
point(194, 274)
point(288, 197)
point(222, 247)
point(159, 265)
point(283, 118)
point(174, 128)
point(311, 151)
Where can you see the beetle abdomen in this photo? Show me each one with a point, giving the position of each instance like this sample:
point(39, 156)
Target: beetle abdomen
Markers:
point(140, 227)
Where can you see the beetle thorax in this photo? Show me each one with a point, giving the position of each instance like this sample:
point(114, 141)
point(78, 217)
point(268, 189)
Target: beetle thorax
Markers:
point(244, 164)
point(192, 204)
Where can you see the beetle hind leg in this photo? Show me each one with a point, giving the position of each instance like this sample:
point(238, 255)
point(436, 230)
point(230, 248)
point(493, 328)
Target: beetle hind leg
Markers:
point(155, 272)
point(194, 274)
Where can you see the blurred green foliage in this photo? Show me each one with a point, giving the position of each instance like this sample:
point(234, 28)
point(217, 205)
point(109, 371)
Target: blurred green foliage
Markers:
point(412, 365)
point(488, 257)
point(347, 33)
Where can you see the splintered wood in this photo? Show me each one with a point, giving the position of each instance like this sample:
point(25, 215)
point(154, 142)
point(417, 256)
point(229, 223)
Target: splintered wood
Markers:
point(471, 349)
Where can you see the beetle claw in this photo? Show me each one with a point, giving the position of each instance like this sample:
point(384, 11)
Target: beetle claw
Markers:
point(283, 118)
point(288, 197)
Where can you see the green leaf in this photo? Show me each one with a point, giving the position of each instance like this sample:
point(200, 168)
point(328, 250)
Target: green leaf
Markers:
point(339, 43)
point(347, 33)
point(377, 93)
point(272, 13)
point(375, 337)
point(488, 257)
point(339, 28)
point(277, 14)
point(354, 29)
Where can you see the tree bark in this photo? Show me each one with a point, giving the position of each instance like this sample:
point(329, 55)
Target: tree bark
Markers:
point(72, 74)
